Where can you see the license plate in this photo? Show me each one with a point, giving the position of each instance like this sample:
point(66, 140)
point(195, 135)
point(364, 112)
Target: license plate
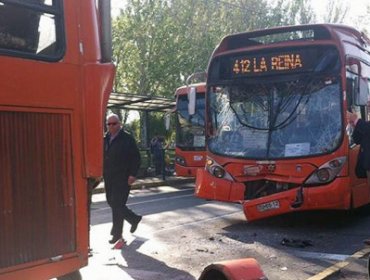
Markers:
point(198, 158)
point(268, 206)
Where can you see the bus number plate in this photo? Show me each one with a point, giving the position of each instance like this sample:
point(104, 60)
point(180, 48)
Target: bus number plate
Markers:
point(268, 206)
point(198, 158)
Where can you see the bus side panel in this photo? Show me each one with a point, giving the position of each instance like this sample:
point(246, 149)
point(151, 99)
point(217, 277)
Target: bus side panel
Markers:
point(97, 90)
point(336, 195)
point(360, 194)
point(37, 199)
point(185, 171)
point(46, 271)
point(209, 187)
point(360, 188)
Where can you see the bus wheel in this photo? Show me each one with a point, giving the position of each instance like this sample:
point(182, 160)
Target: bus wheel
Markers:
point(75, 275)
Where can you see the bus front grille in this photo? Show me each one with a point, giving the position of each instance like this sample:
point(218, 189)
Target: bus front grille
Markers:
point(261, 188)
point(37, 218)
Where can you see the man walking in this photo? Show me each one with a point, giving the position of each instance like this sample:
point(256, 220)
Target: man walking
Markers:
point(121, 164)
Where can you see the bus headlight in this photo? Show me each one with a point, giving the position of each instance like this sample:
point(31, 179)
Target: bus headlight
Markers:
point(326, 172)
point(180, 160)
point(323, 175)
point(217, 170)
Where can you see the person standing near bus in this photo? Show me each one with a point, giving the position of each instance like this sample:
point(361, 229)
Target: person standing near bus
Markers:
point(121, 164)
point(156, 148)
point(361, 135)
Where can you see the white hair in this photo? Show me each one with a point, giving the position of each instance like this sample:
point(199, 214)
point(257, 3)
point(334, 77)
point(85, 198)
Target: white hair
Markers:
point(115, 116)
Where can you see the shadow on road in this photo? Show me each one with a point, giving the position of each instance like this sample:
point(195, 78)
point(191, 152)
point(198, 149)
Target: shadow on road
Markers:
point(144, 267)
point(315, 228)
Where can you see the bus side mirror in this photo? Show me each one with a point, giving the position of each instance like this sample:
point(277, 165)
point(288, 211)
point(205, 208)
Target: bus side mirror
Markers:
point(167, 121)
point(361, 92)
point(191, 98)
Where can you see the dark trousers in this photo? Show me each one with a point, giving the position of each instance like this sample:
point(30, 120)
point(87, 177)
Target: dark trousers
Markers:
point(119, 214)
point(117, 195)
point(158, 166)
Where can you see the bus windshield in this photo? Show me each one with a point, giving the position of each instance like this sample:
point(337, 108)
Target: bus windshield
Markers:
point(190, 128)
point(293, 116)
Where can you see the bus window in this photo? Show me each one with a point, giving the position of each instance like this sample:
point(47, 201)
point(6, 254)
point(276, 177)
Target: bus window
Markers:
point(30, 29)
point(361, 97)
point(352, 82)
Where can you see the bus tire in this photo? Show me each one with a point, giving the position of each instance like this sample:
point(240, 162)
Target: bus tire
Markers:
point(75, 275)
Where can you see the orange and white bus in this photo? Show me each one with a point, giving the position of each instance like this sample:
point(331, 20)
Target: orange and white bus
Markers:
point(55, 79)
point(276, 119)
point(190, 133)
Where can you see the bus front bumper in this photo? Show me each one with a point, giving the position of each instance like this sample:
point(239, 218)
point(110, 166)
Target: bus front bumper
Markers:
point(336, 195)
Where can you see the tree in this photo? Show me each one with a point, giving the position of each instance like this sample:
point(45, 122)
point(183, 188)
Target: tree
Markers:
point(336, 11)
point(362, 22)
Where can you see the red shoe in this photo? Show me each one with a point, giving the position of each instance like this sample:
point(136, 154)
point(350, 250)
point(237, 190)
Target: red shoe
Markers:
point(119, 245)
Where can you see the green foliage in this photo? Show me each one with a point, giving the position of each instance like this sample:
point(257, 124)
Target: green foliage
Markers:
point(336, 11)
point(156, 127)
point(134, 129)
point(159, 43)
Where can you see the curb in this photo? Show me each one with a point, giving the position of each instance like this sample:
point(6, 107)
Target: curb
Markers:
point(325, 274)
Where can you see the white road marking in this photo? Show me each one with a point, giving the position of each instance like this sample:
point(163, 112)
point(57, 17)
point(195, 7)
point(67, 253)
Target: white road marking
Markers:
point(340, 265)
point(320, 256)
point(147, 201)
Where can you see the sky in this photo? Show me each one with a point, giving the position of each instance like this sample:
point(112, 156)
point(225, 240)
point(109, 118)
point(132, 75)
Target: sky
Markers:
point(356, 9)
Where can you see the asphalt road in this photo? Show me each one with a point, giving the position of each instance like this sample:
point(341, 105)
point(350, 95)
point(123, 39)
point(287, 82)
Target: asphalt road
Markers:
point(181, 234)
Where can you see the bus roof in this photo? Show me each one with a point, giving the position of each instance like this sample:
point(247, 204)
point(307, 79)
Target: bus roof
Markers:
point(200, 87)
point(296, 33)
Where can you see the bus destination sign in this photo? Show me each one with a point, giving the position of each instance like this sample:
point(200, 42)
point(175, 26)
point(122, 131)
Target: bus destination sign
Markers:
point(277, 62)
point(264, 64)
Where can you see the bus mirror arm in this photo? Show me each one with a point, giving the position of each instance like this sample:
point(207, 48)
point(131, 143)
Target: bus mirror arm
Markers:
point(106, 30)
point(298, 199)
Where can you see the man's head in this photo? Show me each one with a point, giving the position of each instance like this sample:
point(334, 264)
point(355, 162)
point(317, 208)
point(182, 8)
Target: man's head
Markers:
point(113, 124)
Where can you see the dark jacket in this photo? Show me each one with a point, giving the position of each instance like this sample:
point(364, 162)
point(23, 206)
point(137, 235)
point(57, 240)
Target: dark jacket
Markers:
point(361, 135)
point(121, 157)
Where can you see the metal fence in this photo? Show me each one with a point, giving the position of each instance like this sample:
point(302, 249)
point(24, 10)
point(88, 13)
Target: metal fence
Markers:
point(147, 168)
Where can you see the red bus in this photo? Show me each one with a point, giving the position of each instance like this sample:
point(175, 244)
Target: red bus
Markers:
point(276, 125)
point(190, 136)
point(55, 79)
